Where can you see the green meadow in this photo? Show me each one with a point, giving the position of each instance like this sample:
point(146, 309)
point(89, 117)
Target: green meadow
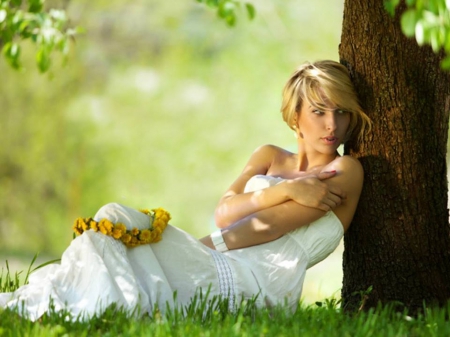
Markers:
point(211, 317)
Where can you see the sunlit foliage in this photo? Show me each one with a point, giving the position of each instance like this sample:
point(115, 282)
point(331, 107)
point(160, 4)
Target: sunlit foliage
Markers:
point(428, 21)
point(29, 20)
point(227, 9)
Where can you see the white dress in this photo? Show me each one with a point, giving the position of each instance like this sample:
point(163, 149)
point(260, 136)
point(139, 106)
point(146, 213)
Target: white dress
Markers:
point(96, 270)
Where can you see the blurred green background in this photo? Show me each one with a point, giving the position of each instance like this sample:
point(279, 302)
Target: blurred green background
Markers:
point(160, 104)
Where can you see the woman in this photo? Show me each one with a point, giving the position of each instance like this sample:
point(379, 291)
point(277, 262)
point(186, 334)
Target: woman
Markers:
point(283, 214)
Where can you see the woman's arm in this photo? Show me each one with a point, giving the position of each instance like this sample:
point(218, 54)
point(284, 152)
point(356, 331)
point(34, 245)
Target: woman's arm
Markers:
point(271, 223)
point(309, 191)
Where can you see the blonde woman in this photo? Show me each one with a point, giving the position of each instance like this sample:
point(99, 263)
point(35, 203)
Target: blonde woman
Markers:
point(283, 214)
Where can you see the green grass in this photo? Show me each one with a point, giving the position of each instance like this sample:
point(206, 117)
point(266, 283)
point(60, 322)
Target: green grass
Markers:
point(247, 321)
point(210, 317)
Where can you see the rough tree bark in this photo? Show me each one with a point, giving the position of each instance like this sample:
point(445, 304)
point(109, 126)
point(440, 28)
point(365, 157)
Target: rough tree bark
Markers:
point(399, 242)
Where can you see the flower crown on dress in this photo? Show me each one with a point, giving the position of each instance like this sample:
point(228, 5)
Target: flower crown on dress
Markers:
point(159, 218)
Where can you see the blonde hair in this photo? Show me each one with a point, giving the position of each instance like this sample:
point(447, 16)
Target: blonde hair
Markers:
point(321, 82)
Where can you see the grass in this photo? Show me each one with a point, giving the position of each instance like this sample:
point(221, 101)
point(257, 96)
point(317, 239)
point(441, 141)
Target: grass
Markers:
point(210, 317)
point(247, 321)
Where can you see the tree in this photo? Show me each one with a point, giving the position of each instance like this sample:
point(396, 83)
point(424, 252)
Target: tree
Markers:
point(398, 247)
point(399, 243)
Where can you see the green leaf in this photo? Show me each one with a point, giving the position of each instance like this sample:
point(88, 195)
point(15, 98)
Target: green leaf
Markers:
point(35, 6)
point(445, 63)
point(434, 40)
point(390, 6)
point(226, 11)
point(408, 22)
point(250, 10)
point(433, 6)
point(447, 40)
point(11, 51)
point(43, 59)
point(442, 34)
point(23, 26)
point(410, 3)
point(212, 3)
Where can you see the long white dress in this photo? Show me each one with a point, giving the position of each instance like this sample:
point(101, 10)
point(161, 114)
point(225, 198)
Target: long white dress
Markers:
point(96, 270)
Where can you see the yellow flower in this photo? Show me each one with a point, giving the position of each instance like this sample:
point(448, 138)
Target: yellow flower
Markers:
point(126, 238)
point(94, 225)
point(75, 223)
point(162, 214)
point(102, 229)
point(84, 226)
point(76, 229)
point(77, 226)
point(120, 227)
point(116, 233)
point(105, 226)
point(145, 211)
point(135, 237)
point(145, 235)
point(133, 242)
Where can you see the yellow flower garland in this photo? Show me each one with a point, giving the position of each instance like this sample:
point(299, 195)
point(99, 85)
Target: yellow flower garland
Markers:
point(133, 237)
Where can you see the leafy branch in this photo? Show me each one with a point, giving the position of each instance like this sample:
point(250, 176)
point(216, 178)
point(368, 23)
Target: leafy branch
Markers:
point(428, 21)
point(226, 9)
point(28, 20)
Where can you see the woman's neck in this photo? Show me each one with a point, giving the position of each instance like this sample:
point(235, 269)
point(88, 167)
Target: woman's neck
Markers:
point(313, 160)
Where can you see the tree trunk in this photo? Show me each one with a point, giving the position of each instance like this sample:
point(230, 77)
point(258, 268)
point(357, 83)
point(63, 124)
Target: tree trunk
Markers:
point(399, 241)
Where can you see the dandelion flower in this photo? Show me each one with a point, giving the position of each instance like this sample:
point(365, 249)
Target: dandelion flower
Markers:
point(116, 233)
point(105, 226)
point(145, 235)
point(126, 238)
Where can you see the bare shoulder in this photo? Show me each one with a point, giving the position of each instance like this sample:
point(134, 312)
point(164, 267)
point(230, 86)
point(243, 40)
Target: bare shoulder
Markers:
point(270, 149)
point(349, 174)
point(346, 165)
point(260, 162)
point(268, 155)
point(349, 177)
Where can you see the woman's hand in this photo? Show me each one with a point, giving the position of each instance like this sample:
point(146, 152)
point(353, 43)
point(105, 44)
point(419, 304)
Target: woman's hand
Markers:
point(313, 191)
point(270, 223)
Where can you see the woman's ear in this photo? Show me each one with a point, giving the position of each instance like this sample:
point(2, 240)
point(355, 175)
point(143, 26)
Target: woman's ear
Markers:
point(296, 127)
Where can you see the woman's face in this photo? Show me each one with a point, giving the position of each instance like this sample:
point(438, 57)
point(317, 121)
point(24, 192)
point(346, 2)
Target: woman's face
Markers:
point(322, 130)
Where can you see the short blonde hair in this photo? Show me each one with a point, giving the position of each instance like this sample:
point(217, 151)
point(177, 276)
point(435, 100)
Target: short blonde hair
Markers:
point(318, 82)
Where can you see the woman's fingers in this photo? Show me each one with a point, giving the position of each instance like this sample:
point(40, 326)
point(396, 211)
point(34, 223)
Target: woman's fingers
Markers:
point(316, 192)
point(329, 202)
point(337, 191)
point(326, 174)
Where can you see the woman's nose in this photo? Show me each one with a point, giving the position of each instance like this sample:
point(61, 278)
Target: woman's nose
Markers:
point(331, 122)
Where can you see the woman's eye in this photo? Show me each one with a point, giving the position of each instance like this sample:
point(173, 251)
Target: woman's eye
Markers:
point(317, 111)
point(341, 111)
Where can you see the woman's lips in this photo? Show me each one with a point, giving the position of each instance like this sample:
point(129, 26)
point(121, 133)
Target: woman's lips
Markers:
point(330, 140)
